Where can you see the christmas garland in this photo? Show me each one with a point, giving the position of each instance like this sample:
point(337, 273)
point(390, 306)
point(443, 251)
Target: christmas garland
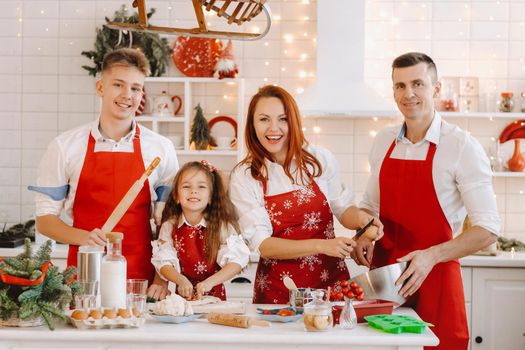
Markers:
point(30, 287)
point(156, 49)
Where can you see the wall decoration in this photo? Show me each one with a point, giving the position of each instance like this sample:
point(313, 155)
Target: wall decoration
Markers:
point(196, 57)
point(226, 67)
point(156, 49)
point(234, 11)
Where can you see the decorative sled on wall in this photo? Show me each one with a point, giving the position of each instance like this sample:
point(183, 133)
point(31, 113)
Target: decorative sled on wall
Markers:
point(234, 11)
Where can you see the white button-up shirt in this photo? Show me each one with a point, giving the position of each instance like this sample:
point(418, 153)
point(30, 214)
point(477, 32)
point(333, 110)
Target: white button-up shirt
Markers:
point(232, 248)
point(61, 165)
point(461, 172)
point(248, 197)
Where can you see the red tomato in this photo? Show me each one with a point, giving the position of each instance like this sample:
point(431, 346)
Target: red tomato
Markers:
point(267, 312)
point(360, 296)
point(333, 295)
point(339, 296)
point(344, 283)
point(350, 295)
point(358, 290)
point(345, 290)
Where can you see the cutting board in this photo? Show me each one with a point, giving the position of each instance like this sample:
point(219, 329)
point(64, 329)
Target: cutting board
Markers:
point(220, 306)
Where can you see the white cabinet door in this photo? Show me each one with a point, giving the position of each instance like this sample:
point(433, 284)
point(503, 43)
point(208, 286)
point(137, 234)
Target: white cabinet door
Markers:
point(498, 309)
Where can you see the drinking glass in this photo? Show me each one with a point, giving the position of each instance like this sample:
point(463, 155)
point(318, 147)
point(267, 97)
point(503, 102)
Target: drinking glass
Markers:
point(87, 297)
point(136, 294)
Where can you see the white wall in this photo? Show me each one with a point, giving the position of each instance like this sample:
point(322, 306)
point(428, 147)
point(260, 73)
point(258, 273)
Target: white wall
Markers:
point(45, 90)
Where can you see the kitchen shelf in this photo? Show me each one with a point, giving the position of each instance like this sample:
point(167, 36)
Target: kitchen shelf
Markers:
point(395, 114)
point(497, 115)
point(186, 115)
point(508, 174)
point(154, 118)
point(206, 153)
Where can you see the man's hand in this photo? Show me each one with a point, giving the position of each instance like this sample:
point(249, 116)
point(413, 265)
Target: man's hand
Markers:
point(421, 263)
point(185, 288)
point(363, 251)
point(158, 291)
point(95, 238)
point(203, 288)
point(340, 247)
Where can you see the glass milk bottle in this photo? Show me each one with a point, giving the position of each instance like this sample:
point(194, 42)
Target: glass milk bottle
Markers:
point(113, 273)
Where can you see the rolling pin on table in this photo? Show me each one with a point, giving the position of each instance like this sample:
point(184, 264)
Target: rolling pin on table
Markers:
point(235, 320)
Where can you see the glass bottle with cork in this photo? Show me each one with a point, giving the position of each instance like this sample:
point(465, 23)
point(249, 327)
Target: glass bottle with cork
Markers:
point(113, 273)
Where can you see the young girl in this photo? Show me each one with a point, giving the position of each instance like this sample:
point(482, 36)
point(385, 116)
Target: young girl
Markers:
point(199, 246)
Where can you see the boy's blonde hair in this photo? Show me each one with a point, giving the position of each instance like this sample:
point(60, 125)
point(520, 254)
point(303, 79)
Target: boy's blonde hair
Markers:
point(126, 57)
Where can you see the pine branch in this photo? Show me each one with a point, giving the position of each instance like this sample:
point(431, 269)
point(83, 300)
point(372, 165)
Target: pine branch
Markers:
point(43, 254)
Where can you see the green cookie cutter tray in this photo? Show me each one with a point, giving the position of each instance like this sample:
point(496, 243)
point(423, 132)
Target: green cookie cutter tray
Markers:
point(397, 323)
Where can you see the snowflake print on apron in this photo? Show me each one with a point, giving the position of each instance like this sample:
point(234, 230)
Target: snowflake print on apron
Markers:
point(193, 261)
point(296, 215)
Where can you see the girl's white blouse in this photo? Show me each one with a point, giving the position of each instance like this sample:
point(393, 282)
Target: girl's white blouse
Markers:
point(247, 194)
point(232, 248)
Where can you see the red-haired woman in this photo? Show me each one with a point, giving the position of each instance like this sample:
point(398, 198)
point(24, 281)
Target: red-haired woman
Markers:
point(286, 193)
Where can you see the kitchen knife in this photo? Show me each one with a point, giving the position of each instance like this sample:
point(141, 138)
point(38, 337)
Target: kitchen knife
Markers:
point(363, 229)
point(128, 198)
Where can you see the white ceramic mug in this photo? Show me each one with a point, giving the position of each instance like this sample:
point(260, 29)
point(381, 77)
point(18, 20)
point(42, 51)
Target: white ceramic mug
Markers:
point(224, 142)
point(177, 140)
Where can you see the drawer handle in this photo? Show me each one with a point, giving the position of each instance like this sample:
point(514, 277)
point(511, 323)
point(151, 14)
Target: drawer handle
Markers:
point(241, 280)
point(479, 340)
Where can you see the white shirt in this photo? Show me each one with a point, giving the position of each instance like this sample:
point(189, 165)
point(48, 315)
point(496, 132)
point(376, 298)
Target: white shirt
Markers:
point(60, 167)
point(248, 197)
point(232, 248)
point(460, 170)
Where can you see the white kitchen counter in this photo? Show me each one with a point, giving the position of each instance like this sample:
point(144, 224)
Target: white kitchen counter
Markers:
point(202, 335)
point(503, 259)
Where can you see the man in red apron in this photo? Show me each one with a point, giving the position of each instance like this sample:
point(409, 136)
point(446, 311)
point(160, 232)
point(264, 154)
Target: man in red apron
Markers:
point(419, 182)
point(89, 169)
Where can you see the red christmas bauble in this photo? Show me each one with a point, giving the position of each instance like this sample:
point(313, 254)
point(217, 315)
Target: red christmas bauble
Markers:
point(196, 57)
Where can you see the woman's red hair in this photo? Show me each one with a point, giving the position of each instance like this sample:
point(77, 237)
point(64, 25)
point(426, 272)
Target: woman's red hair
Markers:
point(296, 141)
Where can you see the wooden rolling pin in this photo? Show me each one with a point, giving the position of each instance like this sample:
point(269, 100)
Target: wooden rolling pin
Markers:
point(235, 320)
point(128, 198)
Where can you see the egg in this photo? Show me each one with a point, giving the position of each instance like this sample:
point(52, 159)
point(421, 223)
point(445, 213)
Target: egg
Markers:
point(95, 314)
point(79, 315)
point(124, 313)
point(135, 312)
point(110, 313)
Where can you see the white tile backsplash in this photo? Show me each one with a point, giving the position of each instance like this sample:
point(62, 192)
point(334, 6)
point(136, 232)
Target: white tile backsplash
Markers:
point(46, 91)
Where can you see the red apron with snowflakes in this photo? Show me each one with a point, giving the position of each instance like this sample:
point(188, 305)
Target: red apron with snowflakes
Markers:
point(413, 220)
point(105, 178)
point(190, 244)
point(300, 214)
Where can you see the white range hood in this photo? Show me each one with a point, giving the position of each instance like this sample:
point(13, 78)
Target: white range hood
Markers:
point(339, 88)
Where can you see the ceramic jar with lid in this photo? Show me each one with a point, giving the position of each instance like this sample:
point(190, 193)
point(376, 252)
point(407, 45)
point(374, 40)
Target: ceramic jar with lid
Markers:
point(318, 313)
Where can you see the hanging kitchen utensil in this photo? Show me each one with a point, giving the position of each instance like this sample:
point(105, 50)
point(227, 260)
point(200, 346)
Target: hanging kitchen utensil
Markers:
point(128, 198)
point(240, 12)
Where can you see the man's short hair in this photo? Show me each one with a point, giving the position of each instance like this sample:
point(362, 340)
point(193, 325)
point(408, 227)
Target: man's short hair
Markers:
point(413, 58)
point(128, 58)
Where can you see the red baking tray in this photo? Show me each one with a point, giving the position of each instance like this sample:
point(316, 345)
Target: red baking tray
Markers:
point(366, 308)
